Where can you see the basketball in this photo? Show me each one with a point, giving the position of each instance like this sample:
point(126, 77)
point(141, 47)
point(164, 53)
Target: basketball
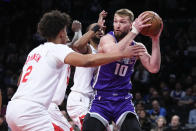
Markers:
point(155, 22)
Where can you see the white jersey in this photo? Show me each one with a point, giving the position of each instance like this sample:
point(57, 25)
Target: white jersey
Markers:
point(42, 73)
point(62, 85)
point(83, 77)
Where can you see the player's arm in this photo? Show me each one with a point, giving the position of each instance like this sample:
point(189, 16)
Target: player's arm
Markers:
point(18, 82)
point(76, 28)
point(152, 62)
point(81, 45)
point(107, 44)
point(90, 60)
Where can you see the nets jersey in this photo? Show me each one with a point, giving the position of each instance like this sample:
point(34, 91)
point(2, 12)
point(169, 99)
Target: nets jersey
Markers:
point(115, 75)
point(83, 77)
point(42, 73)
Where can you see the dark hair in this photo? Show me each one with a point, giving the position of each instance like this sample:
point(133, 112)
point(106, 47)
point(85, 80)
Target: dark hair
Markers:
point(52, 23)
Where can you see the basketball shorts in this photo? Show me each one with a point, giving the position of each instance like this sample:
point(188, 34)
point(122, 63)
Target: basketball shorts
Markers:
point(58, 118)
point(112, 106)
point(23, 115)
point(78, 107)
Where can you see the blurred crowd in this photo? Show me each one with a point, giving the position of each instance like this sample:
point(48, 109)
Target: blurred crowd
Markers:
point(163, 101)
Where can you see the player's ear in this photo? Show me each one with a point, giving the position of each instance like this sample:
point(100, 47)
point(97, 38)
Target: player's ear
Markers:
point(130, 26)
point(62, 34)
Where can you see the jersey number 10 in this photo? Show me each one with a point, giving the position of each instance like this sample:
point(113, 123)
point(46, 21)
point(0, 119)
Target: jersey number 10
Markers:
point(120, 70)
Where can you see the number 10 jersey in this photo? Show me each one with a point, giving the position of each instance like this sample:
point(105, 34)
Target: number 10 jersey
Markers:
point(115, 75)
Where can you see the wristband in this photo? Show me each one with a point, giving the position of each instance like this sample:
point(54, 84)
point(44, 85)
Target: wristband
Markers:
point(95, 28)
point(134, 30)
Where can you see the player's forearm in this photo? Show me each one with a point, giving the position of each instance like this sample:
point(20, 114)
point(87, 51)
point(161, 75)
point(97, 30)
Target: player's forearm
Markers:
point(126, 41)
point(77, 36)
point(152, 63)
point(91, 60)
point(102, 58)
point(83, 41)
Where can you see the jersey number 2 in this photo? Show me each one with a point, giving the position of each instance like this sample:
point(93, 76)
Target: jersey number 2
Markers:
point(120, 70)
point(28, 71)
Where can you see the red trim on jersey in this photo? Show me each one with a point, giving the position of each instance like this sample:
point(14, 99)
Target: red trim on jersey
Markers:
point(81, 120)
point(57, 128)
point(71, 129)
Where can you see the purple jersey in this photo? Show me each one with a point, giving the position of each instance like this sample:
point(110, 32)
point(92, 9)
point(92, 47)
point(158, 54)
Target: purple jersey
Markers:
point(115, 75)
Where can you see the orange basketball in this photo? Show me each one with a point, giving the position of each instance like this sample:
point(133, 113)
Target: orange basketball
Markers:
point(155, 22)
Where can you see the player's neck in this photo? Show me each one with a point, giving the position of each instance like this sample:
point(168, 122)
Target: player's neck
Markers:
point(55, 41)
point(95, 45)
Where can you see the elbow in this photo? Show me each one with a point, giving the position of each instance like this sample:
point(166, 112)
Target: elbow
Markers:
point(154, 70)
point(75, 46)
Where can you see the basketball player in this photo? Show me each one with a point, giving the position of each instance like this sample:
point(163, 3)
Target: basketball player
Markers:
point(112, 101)
point(41, 74)
point(81, 93)
point(56, 115)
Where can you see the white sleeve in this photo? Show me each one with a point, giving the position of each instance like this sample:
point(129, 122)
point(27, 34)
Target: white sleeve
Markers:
point(61, 51)
point(77, 35)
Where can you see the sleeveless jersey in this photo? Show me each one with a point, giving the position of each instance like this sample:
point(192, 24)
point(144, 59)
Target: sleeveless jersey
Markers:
point(62, 85)
point(83, 77)
point(116, 75)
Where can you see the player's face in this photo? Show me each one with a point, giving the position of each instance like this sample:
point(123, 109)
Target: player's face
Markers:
point(64, 37)
point(122, 25)
point(99, 33)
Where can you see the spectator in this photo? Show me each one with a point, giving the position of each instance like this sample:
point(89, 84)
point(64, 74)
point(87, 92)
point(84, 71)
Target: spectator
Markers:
point(160, 124)
point(138, 98)
point(145, 121)
point(156, 111)
point(192, 115)
point(175, 124)
point(187, 100)
point(177, 93)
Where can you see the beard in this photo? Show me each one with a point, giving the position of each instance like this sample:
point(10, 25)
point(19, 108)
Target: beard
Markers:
point(96, 40)
point(120, 35)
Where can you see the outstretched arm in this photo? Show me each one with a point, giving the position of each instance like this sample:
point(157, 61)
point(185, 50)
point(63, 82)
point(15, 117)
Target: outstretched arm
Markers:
point(90, 60)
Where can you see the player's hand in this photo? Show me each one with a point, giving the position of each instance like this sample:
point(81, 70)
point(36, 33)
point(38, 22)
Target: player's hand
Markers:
point(101, 19)
point(76, 26)
point(156, 37)
point(134, 51)
point(140, 22)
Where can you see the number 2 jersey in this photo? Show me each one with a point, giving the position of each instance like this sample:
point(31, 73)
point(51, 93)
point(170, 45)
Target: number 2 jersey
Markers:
point(42, 72)
point(116, 75)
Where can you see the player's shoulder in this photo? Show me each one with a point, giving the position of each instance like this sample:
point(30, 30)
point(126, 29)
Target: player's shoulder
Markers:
point(107, 37)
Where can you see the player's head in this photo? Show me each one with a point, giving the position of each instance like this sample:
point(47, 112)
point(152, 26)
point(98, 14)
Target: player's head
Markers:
point(98, 34)
point(54, 24)
point(123, 19)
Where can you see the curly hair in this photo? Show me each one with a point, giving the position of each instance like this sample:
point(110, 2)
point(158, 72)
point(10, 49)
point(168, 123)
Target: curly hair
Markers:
point(52, 23)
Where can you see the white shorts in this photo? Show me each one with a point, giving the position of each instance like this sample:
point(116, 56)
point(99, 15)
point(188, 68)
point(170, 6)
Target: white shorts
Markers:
point(77, 107)
point(23, 115)
point(58, 118)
